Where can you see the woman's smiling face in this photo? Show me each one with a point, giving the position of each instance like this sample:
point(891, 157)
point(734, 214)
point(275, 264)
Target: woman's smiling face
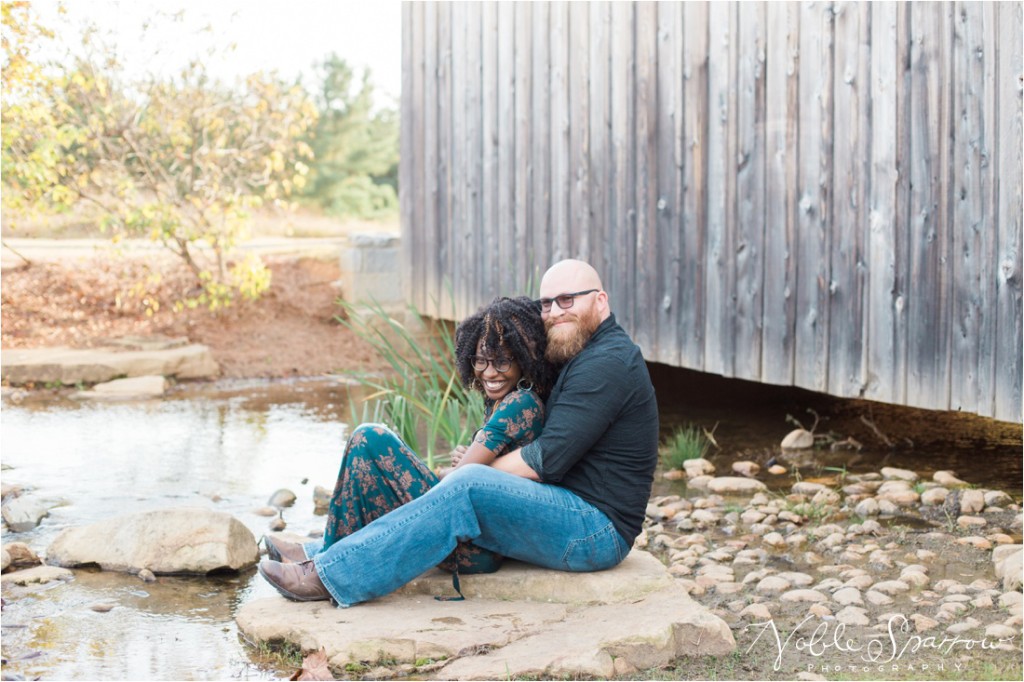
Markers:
point(497, 372)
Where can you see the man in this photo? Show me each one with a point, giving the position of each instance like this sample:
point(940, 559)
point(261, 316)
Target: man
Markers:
point(573, 499)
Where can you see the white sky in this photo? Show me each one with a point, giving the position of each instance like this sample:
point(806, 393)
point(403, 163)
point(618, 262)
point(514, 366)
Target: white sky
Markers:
point(283, 35)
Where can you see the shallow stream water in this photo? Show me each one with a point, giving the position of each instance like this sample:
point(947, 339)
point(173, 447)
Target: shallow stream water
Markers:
point(229, 446)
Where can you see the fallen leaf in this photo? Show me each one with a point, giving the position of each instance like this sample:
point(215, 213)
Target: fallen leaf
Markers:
point(314, 667)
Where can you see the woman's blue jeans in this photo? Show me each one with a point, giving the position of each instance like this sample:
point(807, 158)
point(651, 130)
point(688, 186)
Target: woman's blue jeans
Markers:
point(513, 516)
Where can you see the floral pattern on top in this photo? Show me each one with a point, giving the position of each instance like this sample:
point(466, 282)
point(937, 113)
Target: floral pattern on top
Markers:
point(380, 473)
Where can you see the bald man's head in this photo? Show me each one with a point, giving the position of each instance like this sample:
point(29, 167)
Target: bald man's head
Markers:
point(569, 275)
point(573, 305)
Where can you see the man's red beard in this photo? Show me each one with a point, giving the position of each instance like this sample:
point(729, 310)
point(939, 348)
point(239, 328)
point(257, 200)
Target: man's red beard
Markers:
point(566, 340)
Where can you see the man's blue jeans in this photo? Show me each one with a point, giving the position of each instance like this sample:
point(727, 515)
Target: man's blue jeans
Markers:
point(513, 516)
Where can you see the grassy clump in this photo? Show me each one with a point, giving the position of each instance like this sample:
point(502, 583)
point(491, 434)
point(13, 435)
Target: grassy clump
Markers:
point(424, 395)
point(687, 442)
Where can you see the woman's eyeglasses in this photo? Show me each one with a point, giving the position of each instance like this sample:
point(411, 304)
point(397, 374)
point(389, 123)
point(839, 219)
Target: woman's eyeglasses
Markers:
point(564, 301)
point(499, 364)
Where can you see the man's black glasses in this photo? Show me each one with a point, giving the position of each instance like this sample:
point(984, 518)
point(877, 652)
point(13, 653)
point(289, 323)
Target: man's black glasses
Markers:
point(499, 364)
point(564, 301)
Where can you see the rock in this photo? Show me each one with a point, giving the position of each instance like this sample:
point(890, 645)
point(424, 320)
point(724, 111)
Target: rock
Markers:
point(6, 560)
point(265, 511)
point(890, 473)
point(671, 475)
point(756, 612)
point(866, 508)
point(853, 615)
point(37, 574)
point(95, 365)
point(975, 541)
point(744, 468)
point(635, 610)
point(282, 498)
point(825, 498)
point(798, 439)
point(735, 485)
point(699, 482)
point(698, 467)
point(21, 555)
point(819, 610)
point(803, 595)
point(797, 578)
point(923, 623)
point(934, 496)
point(891, 587)
point(971, 522)
point(146, 576)
point(847, 596)
point(982, 602)
point(185, 540)
point(887, 507)
point(901, 498)
point(972, 501)
point(915, 578)
point(877, 598)
point(997, 498)
point(808, 488)
point(1009, 565)
point(149, 386)
point(963, 626)
point(102, 607)
point(948, 479)
point(1001, 632)
point(774, 539)
point(777, 470)
point(860, 582)
point(772, 585)
point(23, 513)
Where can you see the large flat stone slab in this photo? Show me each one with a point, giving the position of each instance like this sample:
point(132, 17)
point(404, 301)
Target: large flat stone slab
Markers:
point(71, 366)
point(521, 621)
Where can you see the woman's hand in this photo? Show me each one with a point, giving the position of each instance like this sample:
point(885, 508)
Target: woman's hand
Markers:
point(457, 455)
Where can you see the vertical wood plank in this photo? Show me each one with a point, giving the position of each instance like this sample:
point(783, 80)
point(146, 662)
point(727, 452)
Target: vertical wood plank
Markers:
point(410, 191)
point(780, 182)
point(471, 268)
point(579, 224)
point(541, 143)
point(503, 231)
point(749, 226)
point(618, 280)
point(670, 158)
point(697, 111)
point(524, 162)
point(720, 348)
point(1009, 223)
point(972, 294)
point(439, 164)
point(597, 252)
point(559, 151)
point(647, 275)
point(928, 304)
point(851, 87)
point(486, 252)
point(456, 270)
point(815, 191)
point(882, 310)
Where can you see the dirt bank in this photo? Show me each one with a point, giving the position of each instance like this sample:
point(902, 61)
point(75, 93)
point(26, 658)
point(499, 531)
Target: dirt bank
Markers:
point(291, 331)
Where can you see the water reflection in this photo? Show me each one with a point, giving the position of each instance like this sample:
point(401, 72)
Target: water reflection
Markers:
point(229, 448)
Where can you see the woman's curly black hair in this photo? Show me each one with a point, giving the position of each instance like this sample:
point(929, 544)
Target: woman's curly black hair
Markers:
point(512, 324)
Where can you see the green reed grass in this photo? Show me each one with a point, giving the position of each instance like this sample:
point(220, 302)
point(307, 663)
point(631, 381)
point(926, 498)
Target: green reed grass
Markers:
point(424, 392)
point(687, 442)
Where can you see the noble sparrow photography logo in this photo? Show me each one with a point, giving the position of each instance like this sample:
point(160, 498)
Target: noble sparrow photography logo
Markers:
point(897, 649)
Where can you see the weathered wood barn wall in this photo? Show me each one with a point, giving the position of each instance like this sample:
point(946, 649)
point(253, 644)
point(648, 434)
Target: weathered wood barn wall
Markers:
point(824, 195)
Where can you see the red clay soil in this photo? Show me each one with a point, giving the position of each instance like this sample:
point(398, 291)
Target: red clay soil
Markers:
point(290, 331)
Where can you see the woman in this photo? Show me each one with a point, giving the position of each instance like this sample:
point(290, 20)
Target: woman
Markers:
point(499, 351)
